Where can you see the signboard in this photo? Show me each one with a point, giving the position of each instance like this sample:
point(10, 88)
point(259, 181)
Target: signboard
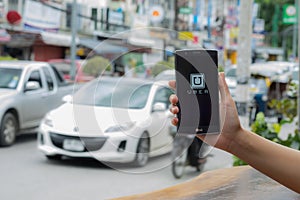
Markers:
point(44, 18)
point(185, 10)
point(156, 14)
point(185, 35)
point(116, 17)
point(259, 25)
point(289, 14)
point(183, 15)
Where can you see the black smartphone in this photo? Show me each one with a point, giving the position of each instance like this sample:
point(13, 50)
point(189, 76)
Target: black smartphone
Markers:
point(198, 91)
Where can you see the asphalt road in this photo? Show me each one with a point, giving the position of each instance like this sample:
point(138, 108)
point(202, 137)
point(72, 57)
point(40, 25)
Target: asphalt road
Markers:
point(27, 174)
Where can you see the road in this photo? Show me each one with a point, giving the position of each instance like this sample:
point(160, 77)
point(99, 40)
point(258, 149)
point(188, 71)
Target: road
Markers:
point(27, 174)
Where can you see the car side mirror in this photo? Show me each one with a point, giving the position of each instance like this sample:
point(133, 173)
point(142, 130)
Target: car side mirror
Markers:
point(159, 107)
point(32, 85)
point(67, 99)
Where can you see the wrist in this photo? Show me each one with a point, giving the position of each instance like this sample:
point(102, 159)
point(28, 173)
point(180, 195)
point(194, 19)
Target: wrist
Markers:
point(239, 142)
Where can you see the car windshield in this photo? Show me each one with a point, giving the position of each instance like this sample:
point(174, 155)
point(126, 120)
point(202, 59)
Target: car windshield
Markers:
point(130, 95)
point(9, 78)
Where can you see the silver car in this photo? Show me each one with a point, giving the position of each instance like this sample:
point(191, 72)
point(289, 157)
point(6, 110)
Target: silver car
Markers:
point(28, 90)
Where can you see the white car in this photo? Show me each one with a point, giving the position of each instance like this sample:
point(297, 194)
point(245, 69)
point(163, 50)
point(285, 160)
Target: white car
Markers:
point(111, 119)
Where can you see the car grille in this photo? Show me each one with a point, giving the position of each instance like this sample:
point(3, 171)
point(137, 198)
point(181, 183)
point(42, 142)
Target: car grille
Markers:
point(90, 143)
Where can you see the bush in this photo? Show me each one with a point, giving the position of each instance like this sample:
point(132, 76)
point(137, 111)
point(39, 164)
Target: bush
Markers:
point(96, 65)
point(7, 58)
point(162, 66)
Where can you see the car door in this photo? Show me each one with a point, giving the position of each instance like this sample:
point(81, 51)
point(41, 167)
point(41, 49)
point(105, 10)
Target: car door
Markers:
point(34, 103)
point(161, 119)
point(53, 99)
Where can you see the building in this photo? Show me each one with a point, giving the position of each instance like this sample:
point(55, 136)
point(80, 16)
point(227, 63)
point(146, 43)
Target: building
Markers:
point(178, 24)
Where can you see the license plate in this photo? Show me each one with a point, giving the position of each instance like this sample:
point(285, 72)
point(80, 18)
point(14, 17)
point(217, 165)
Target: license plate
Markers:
point(73, 145)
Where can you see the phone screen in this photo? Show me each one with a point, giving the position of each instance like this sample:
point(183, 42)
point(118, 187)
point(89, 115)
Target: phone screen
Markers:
point(197, 91)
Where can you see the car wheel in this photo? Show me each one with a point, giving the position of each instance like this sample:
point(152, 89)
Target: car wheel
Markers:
point(54, 157)
point(8, 130)
point(142, 151)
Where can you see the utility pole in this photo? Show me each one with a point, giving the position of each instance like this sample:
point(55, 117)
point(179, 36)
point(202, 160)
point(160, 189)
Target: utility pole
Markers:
point(275, 26)
point(298, 99)
point(209, 12)
point(295, 35)
point(244, 59)
point(73, 41)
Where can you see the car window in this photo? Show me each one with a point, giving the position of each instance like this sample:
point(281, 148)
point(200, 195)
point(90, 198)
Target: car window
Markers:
point(62, 67)
point(162, 96)
point(49, 79)
point(59, 77)
point(9, 78)
point(36, 76)
point(111, 94)
point(139, 97)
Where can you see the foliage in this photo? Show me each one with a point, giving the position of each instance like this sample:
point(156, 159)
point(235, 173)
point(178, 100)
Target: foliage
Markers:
point(7, 58)
point(292, 89)
point(162, 66)
point(238, 162)
point(267, 12)
point(96, 65)
point(220, 68)
point(271, 132)
point(286, 107)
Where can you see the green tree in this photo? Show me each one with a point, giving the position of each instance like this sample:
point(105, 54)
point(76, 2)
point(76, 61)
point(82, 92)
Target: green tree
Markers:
point(96, 65)
point(162, 66)
point(267, 11)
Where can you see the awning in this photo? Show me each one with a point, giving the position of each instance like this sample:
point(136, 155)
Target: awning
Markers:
point(21, 40)
point(57, 39)
point(102, 47)
point(4, 36)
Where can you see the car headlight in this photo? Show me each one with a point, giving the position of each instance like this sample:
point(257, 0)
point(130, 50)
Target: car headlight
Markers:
point(120, 127)
point(48, 121)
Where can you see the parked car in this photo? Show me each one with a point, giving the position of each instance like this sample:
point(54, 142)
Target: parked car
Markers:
point(64, 66)
point(28, 90)
point(113, 120)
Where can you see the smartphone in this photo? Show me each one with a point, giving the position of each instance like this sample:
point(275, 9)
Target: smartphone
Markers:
point(198, 91)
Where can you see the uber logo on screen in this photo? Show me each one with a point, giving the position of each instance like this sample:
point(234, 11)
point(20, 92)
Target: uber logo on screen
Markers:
point(197, 81)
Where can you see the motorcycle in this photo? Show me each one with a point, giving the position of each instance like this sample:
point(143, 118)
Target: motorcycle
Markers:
point(188, 150)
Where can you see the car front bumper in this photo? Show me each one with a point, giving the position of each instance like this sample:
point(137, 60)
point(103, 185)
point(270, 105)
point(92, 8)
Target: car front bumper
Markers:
point(117, 147)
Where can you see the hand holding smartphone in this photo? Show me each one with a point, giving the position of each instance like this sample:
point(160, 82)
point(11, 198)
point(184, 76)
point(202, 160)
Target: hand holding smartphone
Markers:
point(198, 91)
